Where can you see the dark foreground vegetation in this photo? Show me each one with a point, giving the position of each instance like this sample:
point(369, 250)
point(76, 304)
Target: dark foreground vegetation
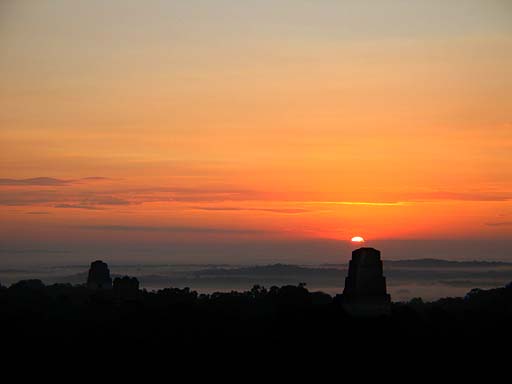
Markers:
point(66, 319)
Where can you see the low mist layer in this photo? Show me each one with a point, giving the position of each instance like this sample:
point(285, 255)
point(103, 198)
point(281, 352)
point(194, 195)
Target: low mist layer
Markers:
point(429, 279)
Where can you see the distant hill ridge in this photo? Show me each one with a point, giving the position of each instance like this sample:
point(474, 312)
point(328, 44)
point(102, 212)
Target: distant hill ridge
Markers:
point(268, 270)
point(283, 269)
point(432, 263)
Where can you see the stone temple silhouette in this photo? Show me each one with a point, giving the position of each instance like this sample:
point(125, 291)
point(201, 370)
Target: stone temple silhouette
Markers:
point(365, 286)
point(126, 287)
point(99, 276)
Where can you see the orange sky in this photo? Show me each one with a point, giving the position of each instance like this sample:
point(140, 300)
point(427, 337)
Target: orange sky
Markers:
point(259, 121)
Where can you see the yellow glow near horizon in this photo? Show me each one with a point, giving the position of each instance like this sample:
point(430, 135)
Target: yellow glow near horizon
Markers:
point(357, 239)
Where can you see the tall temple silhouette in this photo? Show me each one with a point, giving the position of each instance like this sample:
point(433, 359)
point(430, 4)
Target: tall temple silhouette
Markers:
point(99, 276)
point(365, 286)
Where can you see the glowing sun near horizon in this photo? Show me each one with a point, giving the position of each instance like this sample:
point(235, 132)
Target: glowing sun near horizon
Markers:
point(357, 239)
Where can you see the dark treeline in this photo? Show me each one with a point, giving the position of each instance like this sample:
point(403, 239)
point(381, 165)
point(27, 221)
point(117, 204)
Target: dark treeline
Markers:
point(125, 319)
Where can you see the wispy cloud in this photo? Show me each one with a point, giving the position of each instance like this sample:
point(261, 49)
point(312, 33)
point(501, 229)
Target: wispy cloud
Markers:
point(61, 199)
point(41, 181)
point(95, 178)
point(462, 196)
point(15, 251)
point(499, 224)
point(170, 229)
point(105, 200)
point(208, 197)
point(20, 198)
point(48, 181)
point(94, 203)
point(79, 206)
point(375, 203)
point(272, 210)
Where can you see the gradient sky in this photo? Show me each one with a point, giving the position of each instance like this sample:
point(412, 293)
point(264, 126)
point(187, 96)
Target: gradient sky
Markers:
point(244, 131)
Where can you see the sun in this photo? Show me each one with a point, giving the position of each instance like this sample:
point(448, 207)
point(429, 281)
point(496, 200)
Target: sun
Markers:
point(357, 239)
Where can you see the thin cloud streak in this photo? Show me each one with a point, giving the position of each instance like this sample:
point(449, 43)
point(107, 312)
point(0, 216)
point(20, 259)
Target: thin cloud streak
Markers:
point(170, 229)
point(38, 181)
point(47, 181)
point(461, 196)
point(290, 211)
point(79, 206)
point(499, 224)
point(370, 203)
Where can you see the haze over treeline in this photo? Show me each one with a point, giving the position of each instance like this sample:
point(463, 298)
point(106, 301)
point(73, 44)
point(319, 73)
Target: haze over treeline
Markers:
point(429, 279)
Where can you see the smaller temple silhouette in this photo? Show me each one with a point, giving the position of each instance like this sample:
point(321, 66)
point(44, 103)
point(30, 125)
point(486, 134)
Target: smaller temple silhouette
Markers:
point(365, 286)
point(99, 276)
point(126, 287)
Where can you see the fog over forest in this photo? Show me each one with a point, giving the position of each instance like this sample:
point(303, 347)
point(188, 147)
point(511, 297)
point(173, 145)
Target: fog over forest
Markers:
point(429, 279)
